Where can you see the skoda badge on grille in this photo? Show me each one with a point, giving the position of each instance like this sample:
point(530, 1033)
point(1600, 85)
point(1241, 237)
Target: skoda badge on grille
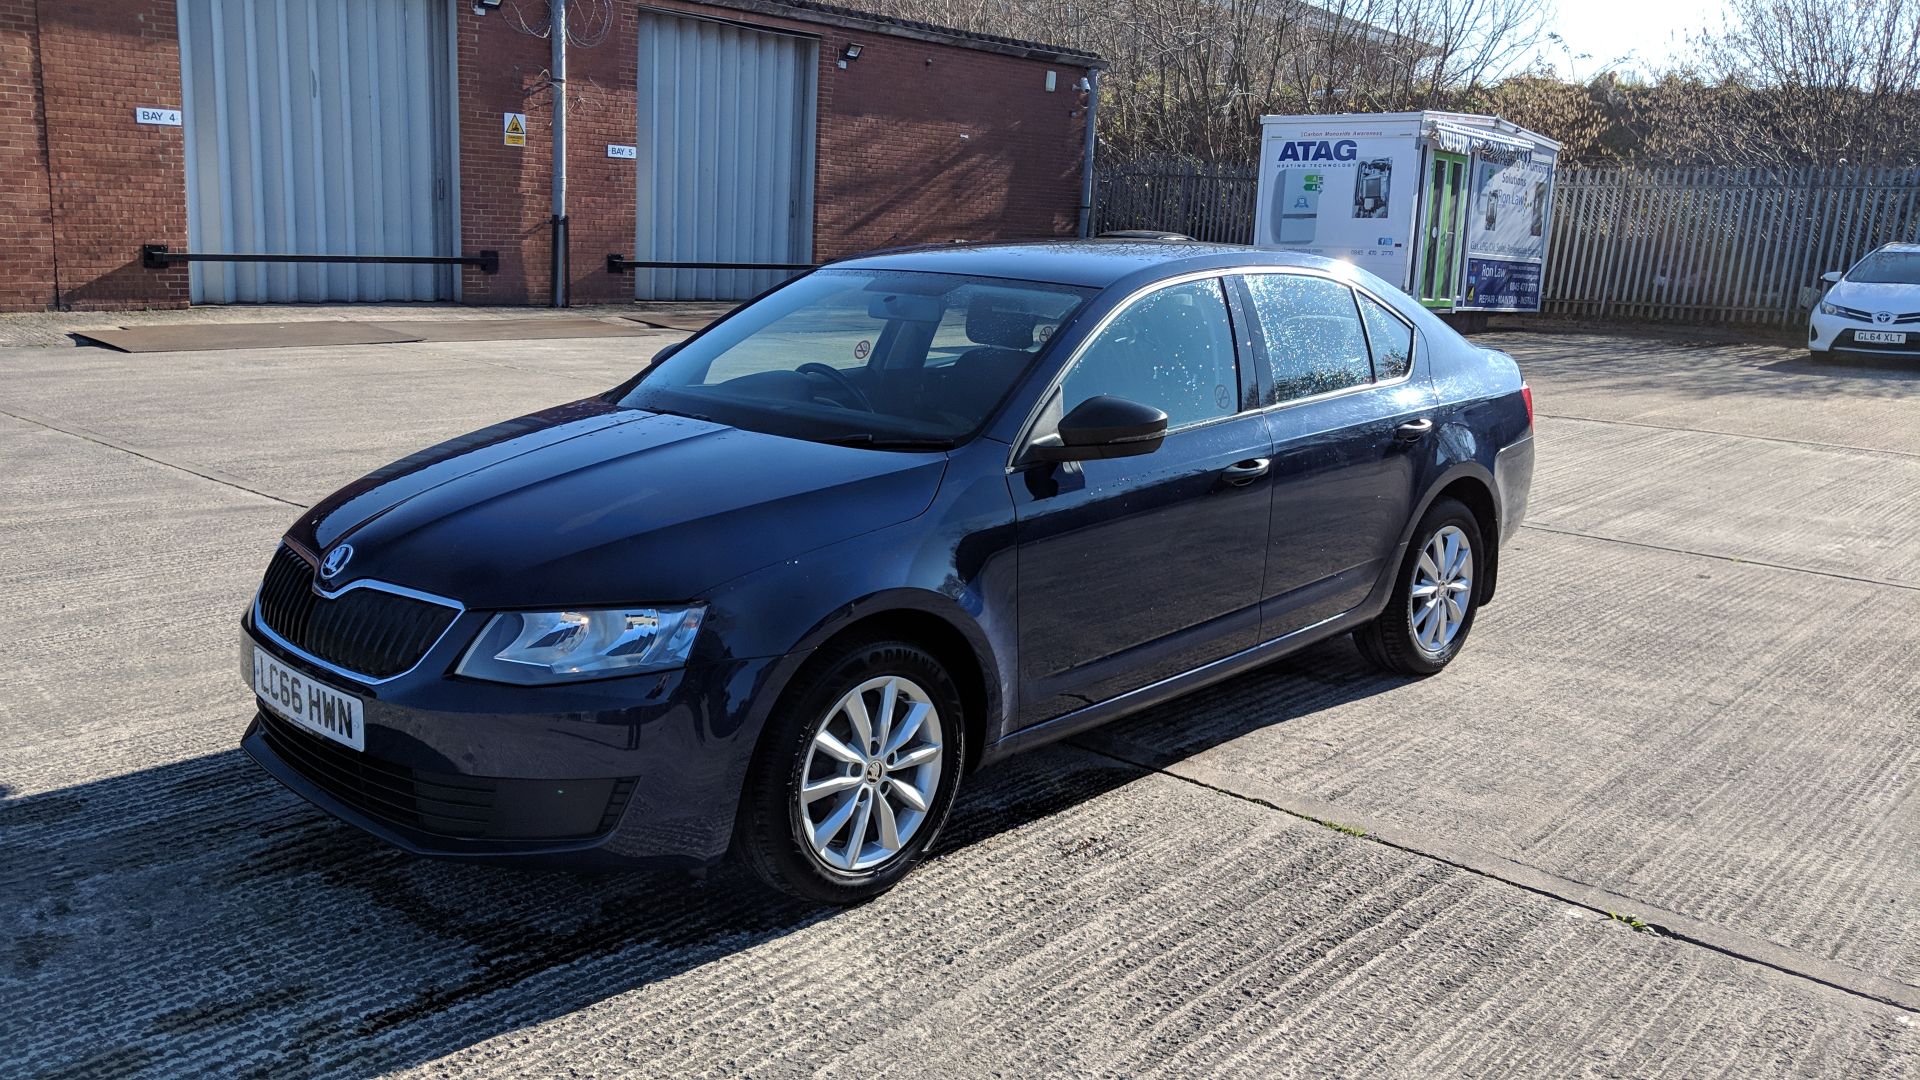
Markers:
point(336, 561)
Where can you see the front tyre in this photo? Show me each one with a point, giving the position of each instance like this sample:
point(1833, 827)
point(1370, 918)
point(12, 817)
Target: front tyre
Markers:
point(1435, 595)
point(856, 773)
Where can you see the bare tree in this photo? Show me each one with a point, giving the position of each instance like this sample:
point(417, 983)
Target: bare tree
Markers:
point(1815, 80)
point(1191, 78)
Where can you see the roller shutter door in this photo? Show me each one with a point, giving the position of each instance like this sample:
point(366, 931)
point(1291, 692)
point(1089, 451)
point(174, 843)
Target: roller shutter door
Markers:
point(726, 120)
point(318, 127)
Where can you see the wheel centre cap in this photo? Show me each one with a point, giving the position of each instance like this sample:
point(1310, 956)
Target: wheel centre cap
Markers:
point(873, 770)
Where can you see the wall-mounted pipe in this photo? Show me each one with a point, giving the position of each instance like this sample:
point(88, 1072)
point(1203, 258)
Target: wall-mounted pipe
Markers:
point(1086, 161)
point(557, 287)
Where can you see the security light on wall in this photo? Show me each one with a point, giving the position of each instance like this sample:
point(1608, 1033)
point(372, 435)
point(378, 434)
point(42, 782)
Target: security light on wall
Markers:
point(851, 52)
point(481, 7)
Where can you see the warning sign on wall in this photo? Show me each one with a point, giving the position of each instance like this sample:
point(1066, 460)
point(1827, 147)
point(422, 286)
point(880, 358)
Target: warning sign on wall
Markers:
point(516, 129)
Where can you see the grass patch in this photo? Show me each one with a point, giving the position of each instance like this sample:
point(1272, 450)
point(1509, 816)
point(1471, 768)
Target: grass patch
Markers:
point(1633, 922)
point(1339, 828)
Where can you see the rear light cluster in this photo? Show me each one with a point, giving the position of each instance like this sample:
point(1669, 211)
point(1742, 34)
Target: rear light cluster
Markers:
point(1526, 395)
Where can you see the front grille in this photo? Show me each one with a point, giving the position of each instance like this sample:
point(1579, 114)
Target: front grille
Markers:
point(368, 630)
point(448, 804)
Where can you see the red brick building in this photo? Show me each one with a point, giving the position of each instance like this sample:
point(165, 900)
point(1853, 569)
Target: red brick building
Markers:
point(723, 130)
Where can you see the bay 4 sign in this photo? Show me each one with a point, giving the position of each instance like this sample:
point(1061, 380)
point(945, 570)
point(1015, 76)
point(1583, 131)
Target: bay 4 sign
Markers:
point(1452, 208)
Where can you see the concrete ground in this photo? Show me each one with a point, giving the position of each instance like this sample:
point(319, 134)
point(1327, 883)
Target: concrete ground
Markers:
point(1695, 706)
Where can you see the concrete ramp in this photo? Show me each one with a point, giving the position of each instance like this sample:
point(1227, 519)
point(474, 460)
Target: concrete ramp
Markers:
point(199, 337)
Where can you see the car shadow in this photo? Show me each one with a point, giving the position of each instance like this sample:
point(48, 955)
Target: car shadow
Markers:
point(1683, 368)
point(196, 915)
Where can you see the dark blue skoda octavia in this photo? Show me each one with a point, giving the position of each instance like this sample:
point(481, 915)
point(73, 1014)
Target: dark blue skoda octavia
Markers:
point(908, 514)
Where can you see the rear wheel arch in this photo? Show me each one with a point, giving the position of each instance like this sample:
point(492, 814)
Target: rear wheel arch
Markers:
point(1472, 486)
point(1477, 495)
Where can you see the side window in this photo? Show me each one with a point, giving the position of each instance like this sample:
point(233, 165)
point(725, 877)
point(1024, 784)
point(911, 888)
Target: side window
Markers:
point(1390, 336)
point(1172, 349)
point(1313, 335)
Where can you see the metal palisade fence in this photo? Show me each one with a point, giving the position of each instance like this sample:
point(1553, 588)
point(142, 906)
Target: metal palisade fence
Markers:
point(1667, 244)
point(1206, 202)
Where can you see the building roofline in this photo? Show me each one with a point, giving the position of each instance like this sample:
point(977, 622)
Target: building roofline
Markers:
point(848, 18)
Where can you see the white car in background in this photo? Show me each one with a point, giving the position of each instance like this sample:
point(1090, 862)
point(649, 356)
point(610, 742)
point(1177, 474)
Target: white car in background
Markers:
point(1872, 308)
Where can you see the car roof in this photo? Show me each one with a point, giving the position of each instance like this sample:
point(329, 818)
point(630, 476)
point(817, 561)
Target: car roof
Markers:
point(1093, 263)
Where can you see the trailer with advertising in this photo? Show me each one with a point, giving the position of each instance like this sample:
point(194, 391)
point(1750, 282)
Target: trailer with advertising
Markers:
point(1454, 208)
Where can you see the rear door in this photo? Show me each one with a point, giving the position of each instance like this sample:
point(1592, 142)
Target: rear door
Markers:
point(1136, 569)
point(1348, 422)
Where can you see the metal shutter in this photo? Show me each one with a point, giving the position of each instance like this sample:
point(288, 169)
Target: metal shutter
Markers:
point(318, 127)
point(726, 120)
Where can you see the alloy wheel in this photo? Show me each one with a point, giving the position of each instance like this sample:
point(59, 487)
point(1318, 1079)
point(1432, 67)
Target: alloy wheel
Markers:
point(1442, 590)
point(871, 774)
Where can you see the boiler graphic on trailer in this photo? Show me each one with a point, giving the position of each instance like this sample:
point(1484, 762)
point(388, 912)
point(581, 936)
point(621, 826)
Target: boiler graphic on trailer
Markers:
point(1296, 209)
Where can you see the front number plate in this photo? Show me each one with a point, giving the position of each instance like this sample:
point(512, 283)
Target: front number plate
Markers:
point(313, 705)
point(1881, 337)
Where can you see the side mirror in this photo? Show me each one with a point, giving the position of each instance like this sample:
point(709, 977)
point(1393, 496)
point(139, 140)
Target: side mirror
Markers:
point(661, 356)
point(1103, 427)
point(1831, 277)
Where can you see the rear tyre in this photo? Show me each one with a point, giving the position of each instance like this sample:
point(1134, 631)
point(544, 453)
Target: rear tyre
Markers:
point(855, 774)
point(1436, 595)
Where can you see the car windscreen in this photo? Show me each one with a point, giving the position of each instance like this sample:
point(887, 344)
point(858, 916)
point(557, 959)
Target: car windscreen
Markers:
point(1888, 268)
point(865, 357)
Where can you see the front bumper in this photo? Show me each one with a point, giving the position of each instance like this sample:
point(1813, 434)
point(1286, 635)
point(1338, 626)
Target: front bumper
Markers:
point(645, 769)
point(1835, 333)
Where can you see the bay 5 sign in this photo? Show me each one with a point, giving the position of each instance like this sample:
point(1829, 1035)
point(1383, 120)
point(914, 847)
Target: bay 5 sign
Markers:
point(1452, 208)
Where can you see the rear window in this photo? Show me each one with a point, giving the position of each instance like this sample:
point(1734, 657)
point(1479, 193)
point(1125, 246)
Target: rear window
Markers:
point(1390, 337)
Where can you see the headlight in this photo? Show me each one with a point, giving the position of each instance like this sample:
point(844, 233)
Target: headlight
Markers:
point(1828, 309)
point(529, 648)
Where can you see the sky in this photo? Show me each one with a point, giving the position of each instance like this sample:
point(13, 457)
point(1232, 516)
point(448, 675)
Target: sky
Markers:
point(1648, 32)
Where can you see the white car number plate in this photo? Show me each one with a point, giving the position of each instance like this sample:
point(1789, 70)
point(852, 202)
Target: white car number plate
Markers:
point(1881, 337)
point(313, 705)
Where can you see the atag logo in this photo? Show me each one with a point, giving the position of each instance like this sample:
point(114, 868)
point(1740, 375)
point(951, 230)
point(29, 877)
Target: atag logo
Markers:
point(1322, 150)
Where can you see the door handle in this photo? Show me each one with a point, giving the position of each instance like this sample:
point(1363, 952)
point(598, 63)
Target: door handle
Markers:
point(1246, 472)
point(1413, 430)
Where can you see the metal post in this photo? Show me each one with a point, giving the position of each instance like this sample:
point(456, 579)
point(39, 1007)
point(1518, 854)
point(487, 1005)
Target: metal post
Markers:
point(1086, 159)
point(557, 32)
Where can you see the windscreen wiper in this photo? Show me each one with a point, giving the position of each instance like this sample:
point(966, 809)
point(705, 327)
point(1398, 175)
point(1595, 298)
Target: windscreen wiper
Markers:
point(868, 440)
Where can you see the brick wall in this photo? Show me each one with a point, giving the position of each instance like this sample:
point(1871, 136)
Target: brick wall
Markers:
point(916, 141)
point(26, 250)
point(923, 142)
point(116, 183)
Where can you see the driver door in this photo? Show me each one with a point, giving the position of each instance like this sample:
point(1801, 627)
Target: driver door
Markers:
point(1136, 569)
